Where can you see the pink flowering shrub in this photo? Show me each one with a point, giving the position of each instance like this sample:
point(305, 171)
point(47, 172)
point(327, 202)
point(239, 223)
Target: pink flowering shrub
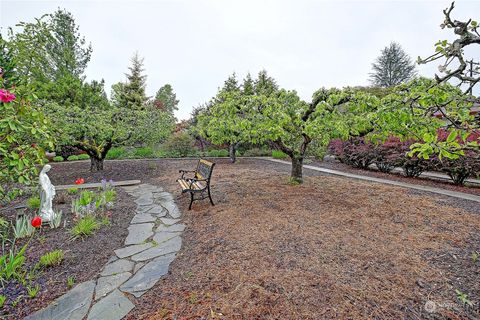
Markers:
point(6, 96)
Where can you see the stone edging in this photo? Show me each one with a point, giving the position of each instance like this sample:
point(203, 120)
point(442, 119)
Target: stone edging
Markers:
point(154, 238)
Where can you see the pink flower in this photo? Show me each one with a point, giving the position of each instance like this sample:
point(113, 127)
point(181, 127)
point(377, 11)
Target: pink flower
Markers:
point(6, 96)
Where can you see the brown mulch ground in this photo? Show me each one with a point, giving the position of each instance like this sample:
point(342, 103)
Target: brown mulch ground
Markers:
point(330, 248)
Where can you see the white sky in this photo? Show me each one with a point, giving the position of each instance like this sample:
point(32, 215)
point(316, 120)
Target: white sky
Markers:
point(194, 45)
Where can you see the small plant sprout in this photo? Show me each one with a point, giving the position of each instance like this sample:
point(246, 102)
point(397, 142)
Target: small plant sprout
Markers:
point(56, 221)
point(85, 227)
point(2, 300)
point(53, 258)
point(33, 291)
point(72, 191)
point(33, 203)
point(475, 256)
point(463, 297)
point(70, 282)
point(23, 228)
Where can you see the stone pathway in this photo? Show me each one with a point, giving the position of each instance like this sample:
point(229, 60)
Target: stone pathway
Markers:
point(154, 238)
point(450, 193)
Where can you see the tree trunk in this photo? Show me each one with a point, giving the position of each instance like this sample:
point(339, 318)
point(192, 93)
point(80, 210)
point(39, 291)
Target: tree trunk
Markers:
point(297, 168)
point(96, 164)
point(232, 152)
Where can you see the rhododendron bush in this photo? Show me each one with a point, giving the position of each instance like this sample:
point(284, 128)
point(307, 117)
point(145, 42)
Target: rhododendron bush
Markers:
point(23, 132)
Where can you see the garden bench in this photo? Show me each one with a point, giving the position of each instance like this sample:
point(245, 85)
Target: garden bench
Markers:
point(199, 183)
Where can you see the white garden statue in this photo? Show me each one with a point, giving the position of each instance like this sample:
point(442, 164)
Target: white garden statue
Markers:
point(47, 192)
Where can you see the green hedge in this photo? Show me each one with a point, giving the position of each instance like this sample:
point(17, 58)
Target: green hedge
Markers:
point(58, 159)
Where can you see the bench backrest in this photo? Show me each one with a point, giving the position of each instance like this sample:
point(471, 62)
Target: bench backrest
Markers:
point(204, 169)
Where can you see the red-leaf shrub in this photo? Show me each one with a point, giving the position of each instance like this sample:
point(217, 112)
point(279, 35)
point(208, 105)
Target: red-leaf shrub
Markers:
point(358, 153)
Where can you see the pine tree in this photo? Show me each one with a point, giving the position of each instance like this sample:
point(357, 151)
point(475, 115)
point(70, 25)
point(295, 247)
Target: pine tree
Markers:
point(248, 88)
point(392, 67)
point(133, 95)
point(264, 84)
point(166, 99)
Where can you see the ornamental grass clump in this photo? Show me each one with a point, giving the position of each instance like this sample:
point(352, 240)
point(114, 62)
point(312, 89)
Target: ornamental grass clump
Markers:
point(53, 258)
point(85, 227)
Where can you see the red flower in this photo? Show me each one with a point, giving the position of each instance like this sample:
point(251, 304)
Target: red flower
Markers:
point(36, 222)
point(80, 181)
point(6, 96)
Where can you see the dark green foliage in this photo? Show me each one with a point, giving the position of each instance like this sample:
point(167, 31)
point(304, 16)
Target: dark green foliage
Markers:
point(166, 99)
point(180, 144)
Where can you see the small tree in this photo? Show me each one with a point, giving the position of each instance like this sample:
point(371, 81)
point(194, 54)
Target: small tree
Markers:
point(392, 67)
point(221, 121)
point(290, 124)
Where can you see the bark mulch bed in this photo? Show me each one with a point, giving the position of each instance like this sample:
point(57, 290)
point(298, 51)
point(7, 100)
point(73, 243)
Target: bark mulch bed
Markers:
point(83, 257)
point(330, 248)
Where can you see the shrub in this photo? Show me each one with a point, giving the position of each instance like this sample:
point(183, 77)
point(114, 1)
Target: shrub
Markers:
point(53, 258)
point(180, 143)
point(144, 152)
point(358, 153)
point(83, 156)
point(388, 154)
point(460, 169)
point(33, 203)
point(85, 227)
point(257, 152)
point(58, 159)
point(217, 153)
point(277, 154)
point(72, 158)
point(116, 153)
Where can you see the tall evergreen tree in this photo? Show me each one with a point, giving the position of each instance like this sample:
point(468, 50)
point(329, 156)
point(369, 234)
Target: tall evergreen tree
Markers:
point(264, 84)
point(248, 86)
point(133, 95)
point(392, 67)
point(166, 99)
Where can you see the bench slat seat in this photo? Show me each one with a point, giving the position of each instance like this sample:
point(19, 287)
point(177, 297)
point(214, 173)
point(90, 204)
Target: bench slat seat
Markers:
point(199, 183)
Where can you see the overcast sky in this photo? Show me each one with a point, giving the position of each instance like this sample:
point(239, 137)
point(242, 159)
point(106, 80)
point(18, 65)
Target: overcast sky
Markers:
point(194, 45)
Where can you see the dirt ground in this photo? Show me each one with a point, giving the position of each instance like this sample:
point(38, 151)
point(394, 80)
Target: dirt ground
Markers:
point(332, 248)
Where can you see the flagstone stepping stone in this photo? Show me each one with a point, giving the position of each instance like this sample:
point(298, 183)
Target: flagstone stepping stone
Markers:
point(131, 250)
point(138, 265)
point(73, 305)
point(170, 246)
point(160, 237)
point(107, 284)
point(119, 266)
point(115, 306)
point(146, 277)
point(143, 217)
point(173, 228)
point(144, 200)
point(158, 210)
point(172, 209)
point(169, 222)
point(163, 197)
point(138, 233)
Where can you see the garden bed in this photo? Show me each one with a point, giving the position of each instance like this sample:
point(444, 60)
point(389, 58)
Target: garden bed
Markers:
point(330, 248)
point(83, 257)
point(398, 176)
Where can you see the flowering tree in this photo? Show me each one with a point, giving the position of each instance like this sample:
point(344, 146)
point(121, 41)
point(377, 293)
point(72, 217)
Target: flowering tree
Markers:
point(24, 131)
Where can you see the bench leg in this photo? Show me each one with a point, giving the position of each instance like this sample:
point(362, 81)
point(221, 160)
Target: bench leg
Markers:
point(210, 196)
point(191, 201)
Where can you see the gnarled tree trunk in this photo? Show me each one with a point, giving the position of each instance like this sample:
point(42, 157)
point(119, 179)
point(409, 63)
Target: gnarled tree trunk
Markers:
point(96, 164)
point(232, 152)
point(297, 169)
